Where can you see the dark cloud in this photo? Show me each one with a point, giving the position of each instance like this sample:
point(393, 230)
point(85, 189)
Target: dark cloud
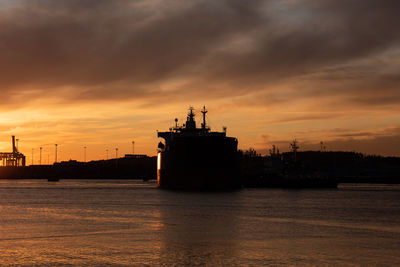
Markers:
point(308, 117)
point(131, 49)
point(360, 88)
point(109, 48)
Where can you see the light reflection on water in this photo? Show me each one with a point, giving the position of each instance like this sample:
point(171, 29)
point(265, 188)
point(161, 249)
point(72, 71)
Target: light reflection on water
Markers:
point(97, 222)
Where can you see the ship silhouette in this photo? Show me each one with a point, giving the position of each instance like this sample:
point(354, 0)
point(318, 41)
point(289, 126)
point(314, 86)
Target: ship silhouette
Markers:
point(197, 158)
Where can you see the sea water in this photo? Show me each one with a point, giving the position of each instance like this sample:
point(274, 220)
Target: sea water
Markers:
point(124, 223)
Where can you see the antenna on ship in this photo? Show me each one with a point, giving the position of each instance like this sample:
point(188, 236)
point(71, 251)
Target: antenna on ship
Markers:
point(204, 111)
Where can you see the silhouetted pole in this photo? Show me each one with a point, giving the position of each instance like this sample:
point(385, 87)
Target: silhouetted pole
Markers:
point(204, 111)
point(40, 158)
point(13, 145)
point(133, 147)
point(116, 157)
point(84, 154)
point(294, 146)
point(55, 157)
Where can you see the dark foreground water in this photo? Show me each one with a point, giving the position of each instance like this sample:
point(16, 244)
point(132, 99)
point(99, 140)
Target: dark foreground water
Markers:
point(97, 223)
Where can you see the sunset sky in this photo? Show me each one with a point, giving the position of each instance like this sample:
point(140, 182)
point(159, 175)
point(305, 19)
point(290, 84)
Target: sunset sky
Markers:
point(103, 73)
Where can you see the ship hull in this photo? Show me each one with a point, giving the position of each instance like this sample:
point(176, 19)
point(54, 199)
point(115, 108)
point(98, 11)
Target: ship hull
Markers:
point(200, 163)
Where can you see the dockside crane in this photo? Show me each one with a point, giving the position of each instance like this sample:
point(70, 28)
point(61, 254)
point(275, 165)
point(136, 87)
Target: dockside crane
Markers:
point(14, 158)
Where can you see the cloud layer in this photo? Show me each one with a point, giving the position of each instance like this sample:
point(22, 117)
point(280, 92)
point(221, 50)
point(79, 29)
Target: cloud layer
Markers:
point(140, 49)
point(282, 66)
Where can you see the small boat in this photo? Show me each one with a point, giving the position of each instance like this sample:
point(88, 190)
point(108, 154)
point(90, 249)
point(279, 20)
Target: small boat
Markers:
point(53, 180)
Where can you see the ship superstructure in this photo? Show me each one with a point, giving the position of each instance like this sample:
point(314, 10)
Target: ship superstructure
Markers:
point(197, 158)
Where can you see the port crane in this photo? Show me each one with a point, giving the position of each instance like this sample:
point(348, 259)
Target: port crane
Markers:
point(14, 158)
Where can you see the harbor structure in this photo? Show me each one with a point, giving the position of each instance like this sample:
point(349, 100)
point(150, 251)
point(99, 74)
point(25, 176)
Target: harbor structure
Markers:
point(14, 158)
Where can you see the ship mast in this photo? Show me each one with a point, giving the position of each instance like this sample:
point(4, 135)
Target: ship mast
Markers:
point(190, 122)
point(204, 111)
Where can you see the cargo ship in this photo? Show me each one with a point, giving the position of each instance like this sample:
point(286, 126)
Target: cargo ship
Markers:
point(192, 158)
